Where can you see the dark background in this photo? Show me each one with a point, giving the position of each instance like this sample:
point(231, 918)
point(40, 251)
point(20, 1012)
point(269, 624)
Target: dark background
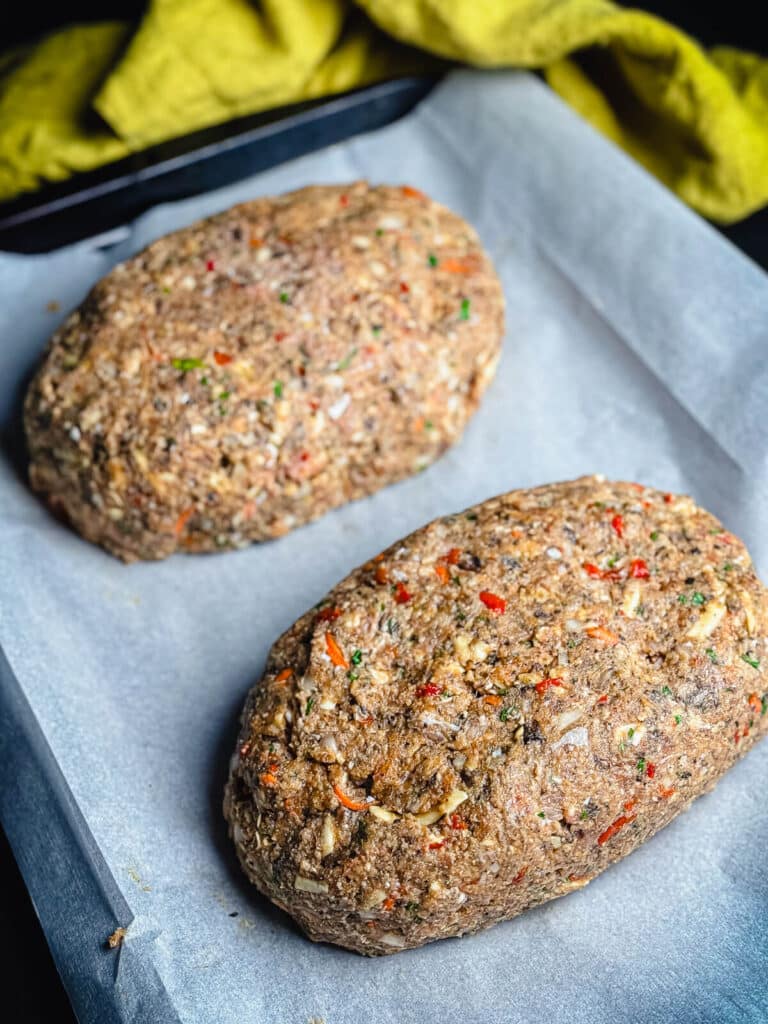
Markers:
point(29, 983)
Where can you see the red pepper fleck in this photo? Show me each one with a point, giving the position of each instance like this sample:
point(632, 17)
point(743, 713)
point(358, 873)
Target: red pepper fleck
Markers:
point(404, 288)
point(638, 487)
point(388, 903)
point(304, 457)
point(638, 569)
point(617, 826)
point(669, 498)
point(210, 265)
point(429, 690)
point(493, 602)
point(314, 405)
point(457, 823)
point(453, 556)
point(437, 846)
point(221, 358)
point(650, 770)
point(412, 193)
point(629, 805)
point(545, 684)
point(618, 524)
point(603, 699)
point(646, 504)
point(603, 574)
point(401, 594)
point(520, 875)
point(382, 574)
point(344, 200)
point(328, 614)
point(285, 674)
point(280, 335)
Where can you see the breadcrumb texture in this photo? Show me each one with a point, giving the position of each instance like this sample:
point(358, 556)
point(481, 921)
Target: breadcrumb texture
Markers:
point(495, 709)
point(245, 375)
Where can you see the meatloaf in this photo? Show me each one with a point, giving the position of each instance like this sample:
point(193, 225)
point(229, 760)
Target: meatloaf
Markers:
point(495, 709)
point(246, 374)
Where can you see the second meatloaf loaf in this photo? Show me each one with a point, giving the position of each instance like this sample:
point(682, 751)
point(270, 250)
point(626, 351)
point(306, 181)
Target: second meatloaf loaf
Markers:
point(246, 374)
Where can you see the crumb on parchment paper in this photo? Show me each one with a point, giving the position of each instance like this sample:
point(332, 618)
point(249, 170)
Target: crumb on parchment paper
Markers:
point(115, 940)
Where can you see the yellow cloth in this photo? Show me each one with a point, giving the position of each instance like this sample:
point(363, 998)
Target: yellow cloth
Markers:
point(90, 94)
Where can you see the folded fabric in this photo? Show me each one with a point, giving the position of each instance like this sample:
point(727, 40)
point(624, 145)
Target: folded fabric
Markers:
point(90, 94)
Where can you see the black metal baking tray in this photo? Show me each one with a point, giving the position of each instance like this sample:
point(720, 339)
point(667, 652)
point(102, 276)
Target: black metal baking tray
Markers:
point(92, 203)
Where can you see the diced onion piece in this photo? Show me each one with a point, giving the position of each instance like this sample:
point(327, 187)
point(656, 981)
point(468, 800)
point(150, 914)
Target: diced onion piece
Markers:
point(561, 722)
point(309, 885)
point(327, 836)
point(382, 813)
point(374, 899)
point(708, 621)
point(391, 939)
point(631, 600)
point(447, 806)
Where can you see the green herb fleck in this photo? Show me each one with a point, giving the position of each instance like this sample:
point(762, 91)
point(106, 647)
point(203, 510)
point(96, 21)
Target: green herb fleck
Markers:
point(204, 381)
point(505, 713)
point(392, 626)
point(464, 314)
point(584, 814)
point(352, 676)
point(697, 598)
point(379, 232)
point(224, 396)
point(571, 643)
point(344, 364)
point(655, 535)
point(432, 260)
point(612, 561)
point(640, 766)
point(711, 654)
point(376, 330)
point(310, 705)
point(666, 691)
point(727, 567)
point(429, 425)
point(166, 289)
point(471, 516)
point(187, 364)
point(278, 389)
point(285, 297)
point(541, 814)
point(411, 906)
point(750, 660)
point(678, 719)
point(763, 705)
point(630, 732)
point(683, 599)
point(357, 657)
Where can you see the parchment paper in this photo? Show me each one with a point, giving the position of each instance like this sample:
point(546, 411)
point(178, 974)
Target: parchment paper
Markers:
point(637, 346)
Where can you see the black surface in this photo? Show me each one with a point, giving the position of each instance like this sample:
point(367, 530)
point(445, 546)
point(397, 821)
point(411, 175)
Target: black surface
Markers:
point(31, 989)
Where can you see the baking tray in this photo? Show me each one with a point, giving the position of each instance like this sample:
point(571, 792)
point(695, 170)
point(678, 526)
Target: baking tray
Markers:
point(90, 204)
point(589, 380)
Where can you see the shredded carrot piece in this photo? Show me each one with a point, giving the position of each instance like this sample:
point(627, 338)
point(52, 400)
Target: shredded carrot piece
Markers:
point(182, 521)
point(629, 805)
point(388, 903)
point(436, 846)
point(268, 779)
point(351, 805)
point(603, 699)
point(520, 875)
point(335, 653)
point(412, 193)
point(255, 243)
point(666, 793)
point(221, 358)
point(418, 424)
point(443, 574)
point(755, 703)
point(328, 614)
point(617, 826)
point(602, 633)
point(382, 574)
point(456, 266)
point(453, 556)
point(285, 674)
point(458, 823)
point(493, 699)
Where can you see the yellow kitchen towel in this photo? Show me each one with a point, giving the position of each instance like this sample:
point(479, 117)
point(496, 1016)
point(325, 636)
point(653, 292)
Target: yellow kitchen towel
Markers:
point(90, 94)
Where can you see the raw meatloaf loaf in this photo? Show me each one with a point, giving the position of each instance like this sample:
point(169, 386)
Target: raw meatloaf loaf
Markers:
point(243, 376)
point(495, 709)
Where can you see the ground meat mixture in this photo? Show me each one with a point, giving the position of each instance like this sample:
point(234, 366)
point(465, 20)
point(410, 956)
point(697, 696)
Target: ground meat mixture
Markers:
point(243, 376)
point(493, 710)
